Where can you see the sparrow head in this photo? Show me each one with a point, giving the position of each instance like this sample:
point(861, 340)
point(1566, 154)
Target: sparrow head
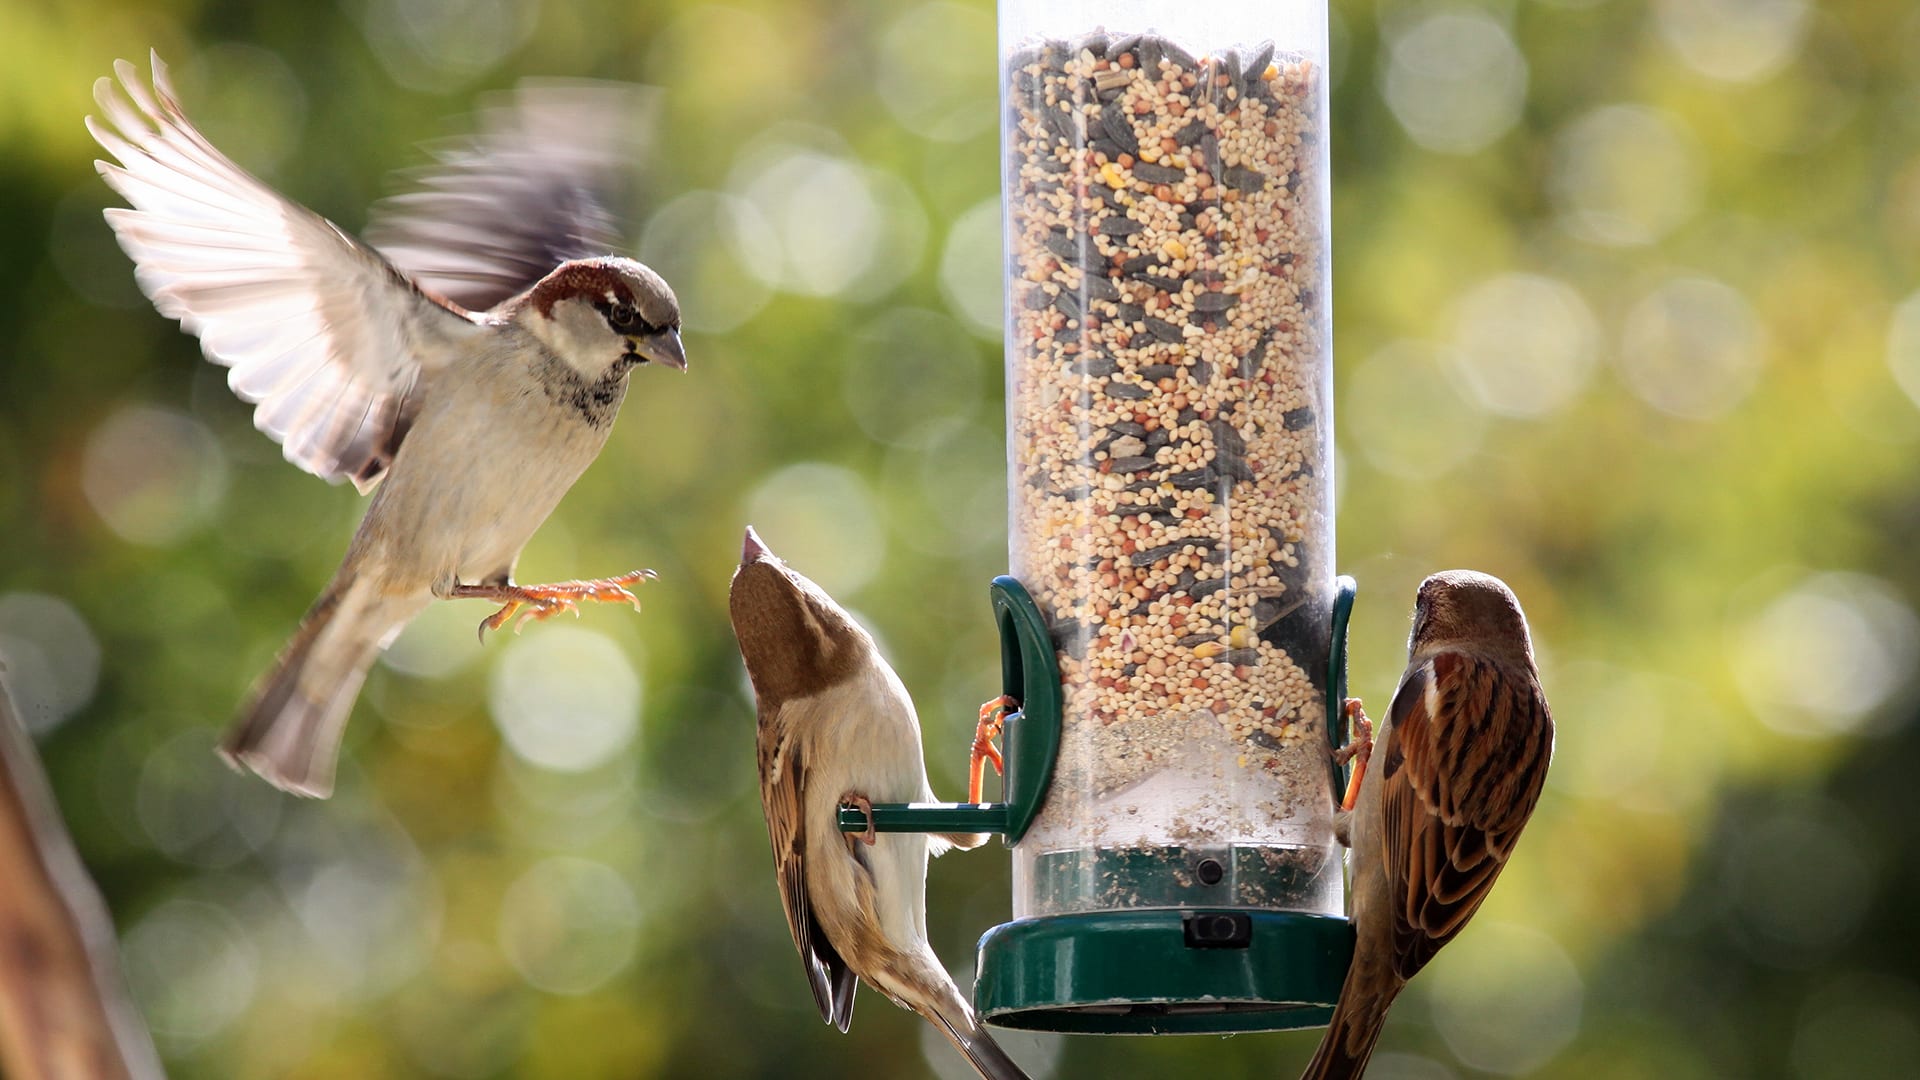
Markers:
point(795, 640)
point(603, 316)
point(1468, 610)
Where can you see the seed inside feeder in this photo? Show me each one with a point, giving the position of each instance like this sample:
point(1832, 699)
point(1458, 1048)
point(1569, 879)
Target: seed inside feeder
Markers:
point(1171, 501)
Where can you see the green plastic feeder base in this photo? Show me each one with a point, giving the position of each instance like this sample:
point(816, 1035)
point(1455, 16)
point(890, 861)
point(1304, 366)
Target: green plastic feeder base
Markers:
point(1163, 971)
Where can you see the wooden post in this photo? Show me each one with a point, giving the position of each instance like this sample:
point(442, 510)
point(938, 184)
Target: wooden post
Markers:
point(64, 1009)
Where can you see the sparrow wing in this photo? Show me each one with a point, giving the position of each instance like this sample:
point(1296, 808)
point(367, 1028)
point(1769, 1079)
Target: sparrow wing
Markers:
point(532, 189)
point(1466, 756)
point(782, 788)
point(325, 336)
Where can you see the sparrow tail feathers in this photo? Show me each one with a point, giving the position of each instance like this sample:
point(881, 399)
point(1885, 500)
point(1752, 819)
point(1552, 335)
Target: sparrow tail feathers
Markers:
point(956, 1021)
point(290, 731)
point(1350, 1037)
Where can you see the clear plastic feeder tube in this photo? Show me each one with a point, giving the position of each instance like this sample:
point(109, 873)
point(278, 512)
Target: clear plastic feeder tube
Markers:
point(1169, 378)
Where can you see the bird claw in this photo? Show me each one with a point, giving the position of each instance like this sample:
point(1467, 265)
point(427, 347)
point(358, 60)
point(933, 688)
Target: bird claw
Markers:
point(1358, 750)
point(543, 602)
point(993, 719)
point(865, 805)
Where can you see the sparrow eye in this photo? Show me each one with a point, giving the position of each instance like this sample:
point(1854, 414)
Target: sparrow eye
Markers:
point(623, 318)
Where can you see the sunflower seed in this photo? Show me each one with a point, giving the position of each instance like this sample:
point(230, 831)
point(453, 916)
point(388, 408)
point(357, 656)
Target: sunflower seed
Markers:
point(1244, 179)
point(1164, 330)
point(1098, 367)
point(1251, 363)
point(1119, 127)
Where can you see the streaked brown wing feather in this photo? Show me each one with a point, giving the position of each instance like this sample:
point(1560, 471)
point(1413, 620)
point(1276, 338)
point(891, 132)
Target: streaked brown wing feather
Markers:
point(1459, 788)
point(782, 791)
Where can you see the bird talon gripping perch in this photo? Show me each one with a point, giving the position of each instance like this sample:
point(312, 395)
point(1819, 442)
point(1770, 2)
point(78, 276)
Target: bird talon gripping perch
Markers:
point(1358, 749)
point(993, 719)
point(865, 805)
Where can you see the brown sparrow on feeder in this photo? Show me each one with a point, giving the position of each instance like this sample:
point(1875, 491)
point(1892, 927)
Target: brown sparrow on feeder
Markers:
point(836, 728)
point(1442, 796)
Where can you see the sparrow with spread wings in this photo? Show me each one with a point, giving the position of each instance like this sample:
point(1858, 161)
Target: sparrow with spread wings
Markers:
point(465, 365)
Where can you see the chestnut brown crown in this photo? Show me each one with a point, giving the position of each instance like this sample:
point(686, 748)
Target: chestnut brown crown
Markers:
point(795, 640)
point(607, 313)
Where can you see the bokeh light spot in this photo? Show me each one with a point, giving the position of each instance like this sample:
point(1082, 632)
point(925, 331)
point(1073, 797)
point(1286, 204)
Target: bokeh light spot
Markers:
point(153, 475)
point(192, 970)
point(707, 244)
point(1525, 345)
point(425, 43)
point(1797, 881)
point(1903, 347)
point(1692, 348)
point(197, 810)
point(1455, 81)
point(1858, 1024)
point(249, 103)
point(50, 657)
point(1506, 998)
point(839, 228)
point(1625, 175)
point(822, 521)
point(565, 698)
point(971, 268)
point(569, 924)
point(1739, 41)
point(439, 641)
point(935, 71)
point(1824, 655)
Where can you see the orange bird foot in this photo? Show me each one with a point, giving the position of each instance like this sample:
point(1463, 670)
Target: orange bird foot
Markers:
point(543, 602)
point(854, 798)
point(993, 719)
point(1358, 749)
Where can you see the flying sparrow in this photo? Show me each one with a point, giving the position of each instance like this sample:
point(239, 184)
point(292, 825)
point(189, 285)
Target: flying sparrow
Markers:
point(471, 365)
point(836, 729)
point(1455, 772)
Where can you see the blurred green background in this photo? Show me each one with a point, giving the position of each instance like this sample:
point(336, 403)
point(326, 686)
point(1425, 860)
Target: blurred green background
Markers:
point(1625, 314)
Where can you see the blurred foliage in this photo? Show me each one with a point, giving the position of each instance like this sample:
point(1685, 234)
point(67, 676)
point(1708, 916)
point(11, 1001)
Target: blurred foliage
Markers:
point(1624, 316)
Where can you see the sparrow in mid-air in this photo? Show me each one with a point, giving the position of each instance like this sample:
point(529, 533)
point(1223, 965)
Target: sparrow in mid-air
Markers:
point(1443, 793)
point(837, 729)
point(469, 361)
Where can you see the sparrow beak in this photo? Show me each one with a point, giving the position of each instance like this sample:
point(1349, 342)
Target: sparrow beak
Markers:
point(751, 549)
point(663, 347)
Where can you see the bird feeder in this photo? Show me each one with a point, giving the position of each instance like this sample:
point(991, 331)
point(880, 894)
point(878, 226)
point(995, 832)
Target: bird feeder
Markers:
point(1172, 630)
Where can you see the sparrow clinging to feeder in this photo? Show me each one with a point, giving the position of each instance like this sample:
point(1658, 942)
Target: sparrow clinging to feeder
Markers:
point(1455, 771)
point(836, 728)
point(470, 362)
